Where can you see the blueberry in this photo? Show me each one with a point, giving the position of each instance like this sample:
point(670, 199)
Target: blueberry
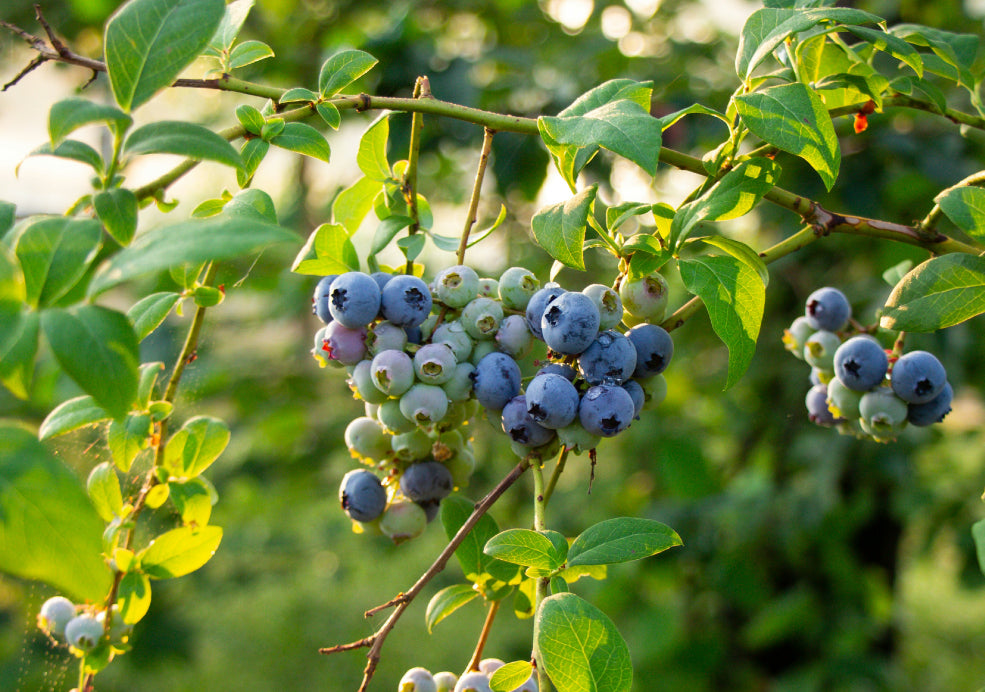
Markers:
point(456, 286)
point(362, 495)
point(406, 301)
point(611, 358)
point(608, 302)
point(552, 400)
point(860, 363)
point(538, 304)
point(520, 425)
point(381, 279)
point(562, 369)
point(606, 410)
point(354, 299)
point(459, 385)
point(490, 665)
point(883, 414)
point(392, 372)
point(320, 299)
point(576, 439)
point(918, 377)
point(393, 421)
point(119, 631)
point(343, 344)
point(434, 363)
point(819, 349)
point(366, 439)
point(462, 465)
point(635, 390)
point(516, 286)
point(482, 349)
point(417, 680)
point(453, 333)
point(385, 336)
point(426, 480)
point(514, 337)
point(645, 298)
point(796, 335)
point(481, 318)
point(654, 349)
point(362, 384)
point(425, 404)
point(570, 323)
point(403, 520)
point(445, 681)
point(817, 406)
point(411, 446)
point(475, 681)
point(55, 613)
point(828, 309)
point(488, 288)
point(496, 380)
point(83, 632)
point(654, 388)
point(842, 401)
point(934, 410)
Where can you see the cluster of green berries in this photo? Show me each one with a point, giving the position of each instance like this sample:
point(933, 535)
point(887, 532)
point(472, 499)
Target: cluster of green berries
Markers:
point(82, 629)
point(858, 386)
point(421, 680)
point(426, 359)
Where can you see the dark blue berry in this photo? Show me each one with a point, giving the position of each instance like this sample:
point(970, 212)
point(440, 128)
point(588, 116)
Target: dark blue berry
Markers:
point(570, 323)
point(611, 358)
point(654, 349)
point(320, 299)
point(362, 495)
point(918, 377)
point(520, 425)
point(552, 400)
point(860, 363)
point(406, 301)
point(606, 410)
point(496, 380)
point(827, 308)
point(354, 300)
point(538, 304)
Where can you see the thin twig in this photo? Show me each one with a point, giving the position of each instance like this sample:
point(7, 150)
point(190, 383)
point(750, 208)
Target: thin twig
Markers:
point(470, 217)
point(483, 637)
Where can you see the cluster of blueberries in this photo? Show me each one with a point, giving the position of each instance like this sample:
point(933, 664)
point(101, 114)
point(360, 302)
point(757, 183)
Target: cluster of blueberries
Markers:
point(426, 359)
point(82, 631)
point(421, 680)
point(857, 385)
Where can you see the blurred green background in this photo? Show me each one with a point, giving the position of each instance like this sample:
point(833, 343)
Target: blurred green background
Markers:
point(810, 560)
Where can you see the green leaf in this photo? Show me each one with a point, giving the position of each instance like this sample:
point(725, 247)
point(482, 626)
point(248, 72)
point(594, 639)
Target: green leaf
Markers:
point(73, 414)
point(978, 535)
point(620, 214)
point(298, 94)
point(182, 139)
point(767, 28)
point(455, 511)
point(695, 109)
point(250, 118)
point(371, 156)
point(179, 551)
point(8, 213)
point(888, 43)
point(251, 204)
point(387, 231)
point(68, 115)
point(510, 676)
point(303, 139)
point(342, 69)
point(939, 293)
point(559, 585)
point(98, 349)
point(54, 254)
point(411, 246)
point(149, 42)
point(103, 487)
point(188, 242)
point(623, 127)
point(742, 252)
point(249, 52)
point(193, 499)
point(195, 446)
point(524, 547)
point(229, 27)
point(621, 540)
point(13, 290)
point(328, 251)
point(965, 206)
point(149, 372)
point(329, 113)
point(734, 296)
point(72, 150)
point(117, 209)
point(958, 50)
point(18, 349)
point(134, 597)
point(446, 602)
point(48, 528)
point(580, 647)
point(921, 88)
point(354, 202)
point(793, 118)
point(894, 274)
point(734, 195)
point(148, 314)
point(560, 228)
point(127, 438)
point(253, 152)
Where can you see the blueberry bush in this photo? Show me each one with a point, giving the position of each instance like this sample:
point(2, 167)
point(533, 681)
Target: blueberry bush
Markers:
point(556, 355)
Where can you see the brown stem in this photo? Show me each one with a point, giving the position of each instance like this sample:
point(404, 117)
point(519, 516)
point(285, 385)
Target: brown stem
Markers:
point(483, 637)
point(403, 600)
point(470, 217)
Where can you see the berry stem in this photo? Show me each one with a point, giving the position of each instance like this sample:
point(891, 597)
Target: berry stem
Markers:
point(543, 584)
point(470, 217)
point(562, 459)
point(422, 89)
point(483, 637)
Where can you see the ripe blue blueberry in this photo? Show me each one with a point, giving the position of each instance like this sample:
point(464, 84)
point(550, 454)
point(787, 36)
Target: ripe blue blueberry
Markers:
point(417, 680)
point(456, 286)
point(611, 358)
point(362, 495)
point(520, 425)
point(828, 309)
point(552, 400)
point(354, 299)
point(635, 390)
point(406, 301)
point(654, 349)
point(425, 404)
point(392, 372)
point(860, 363)
point(426, 480)
point(570, 323)
point(516, 286)
point(84, 632)
point(562, 369)
point(496, 380)
point(606, 410)
point(918, 377)
point(817, 406)
point(55, 613)
point(320, 299)
point(934, 410)
point(538, 304)
point(608, 302)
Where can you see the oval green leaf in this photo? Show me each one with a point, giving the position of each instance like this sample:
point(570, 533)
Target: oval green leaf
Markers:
point(73, 414)
point(621, 540)
point(127, 438)
point(328, 251)
point(103, 486)
point(560, 228)
point(371, 155)
point(148, 314)
point(303, 139)
point(72, 150)
point(965, 206)
point(195, 446)
point(54, 254)
point(510, 676)
point(182, 139)
point(249, 52)
point(134, 597)
point(117, 209)
point(941, 292)
point(446, 602)
point(179, 551)
point(18, 349)
point(342, 69)
point(68, 115)
point(524, 547)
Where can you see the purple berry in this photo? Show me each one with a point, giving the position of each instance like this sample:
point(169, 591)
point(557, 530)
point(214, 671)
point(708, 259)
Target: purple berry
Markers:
point(606, 410)
point(860, 363)
point(828, 309)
